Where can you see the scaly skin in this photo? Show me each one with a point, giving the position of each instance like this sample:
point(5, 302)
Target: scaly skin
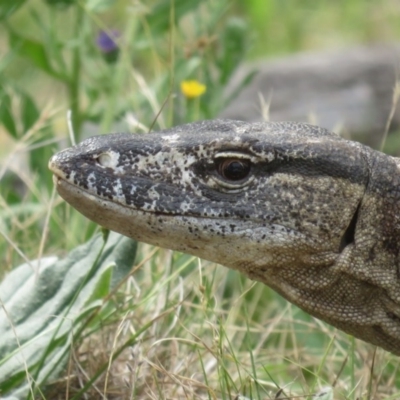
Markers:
point(311, 215)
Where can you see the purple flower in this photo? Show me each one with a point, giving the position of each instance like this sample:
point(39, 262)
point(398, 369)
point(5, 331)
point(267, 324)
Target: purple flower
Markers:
point(106, 41)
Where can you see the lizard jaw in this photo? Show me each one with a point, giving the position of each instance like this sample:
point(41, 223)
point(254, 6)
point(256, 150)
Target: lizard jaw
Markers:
point(198, 236)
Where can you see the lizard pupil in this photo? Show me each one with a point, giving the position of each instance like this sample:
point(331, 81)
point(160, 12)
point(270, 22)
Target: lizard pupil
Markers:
point(234, 169)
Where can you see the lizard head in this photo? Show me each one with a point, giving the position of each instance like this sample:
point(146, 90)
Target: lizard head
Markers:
point(292, 205)
point(227, 191)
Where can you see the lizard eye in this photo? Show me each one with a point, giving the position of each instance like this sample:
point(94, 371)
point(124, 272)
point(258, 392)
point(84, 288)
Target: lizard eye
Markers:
point(104, 160)
point(233, 169)
point(108, 159)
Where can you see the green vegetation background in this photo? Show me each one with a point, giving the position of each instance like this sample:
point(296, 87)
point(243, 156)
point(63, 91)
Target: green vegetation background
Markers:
point(240, 337)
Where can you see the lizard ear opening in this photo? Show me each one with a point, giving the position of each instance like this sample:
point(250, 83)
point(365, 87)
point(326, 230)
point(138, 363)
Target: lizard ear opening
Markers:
point(348, 236)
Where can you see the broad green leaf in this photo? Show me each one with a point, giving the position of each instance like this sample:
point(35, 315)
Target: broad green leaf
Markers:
point(102, 286)
point(47, 305)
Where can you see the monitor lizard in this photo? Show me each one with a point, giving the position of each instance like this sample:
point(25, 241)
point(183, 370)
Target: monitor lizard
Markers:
point(312, 215)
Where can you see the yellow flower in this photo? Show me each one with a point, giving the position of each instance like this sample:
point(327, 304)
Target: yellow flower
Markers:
point(192, 89)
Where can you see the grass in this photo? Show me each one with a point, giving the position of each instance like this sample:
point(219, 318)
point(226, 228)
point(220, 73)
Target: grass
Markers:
point(178, 327)
point(210, 333)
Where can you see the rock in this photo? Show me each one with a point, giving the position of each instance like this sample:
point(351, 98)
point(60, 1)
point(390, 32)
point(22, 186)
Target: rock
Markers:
point(348, 91)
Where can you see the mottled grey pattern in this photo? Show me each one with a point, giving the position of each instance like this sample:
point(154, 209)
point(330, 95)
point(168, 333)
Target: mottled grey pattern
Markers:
point(314, 216)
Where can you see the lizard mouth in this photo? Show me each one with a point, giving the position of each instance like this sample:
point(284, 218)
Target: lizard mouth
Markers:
point(56, 180)
point(122, 218)
point(76, 195)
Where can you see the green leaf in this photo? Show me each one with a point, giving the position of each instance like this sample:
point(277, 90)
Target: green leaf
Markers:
point(99, 5)
point(41, 152)
point(6, 117)
point(8, 7)
point(103, 285)
point(234, 44)
point(47, 307)
point(34, 51)
point(159, 19)
point(29, 111)
point(60, 3)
